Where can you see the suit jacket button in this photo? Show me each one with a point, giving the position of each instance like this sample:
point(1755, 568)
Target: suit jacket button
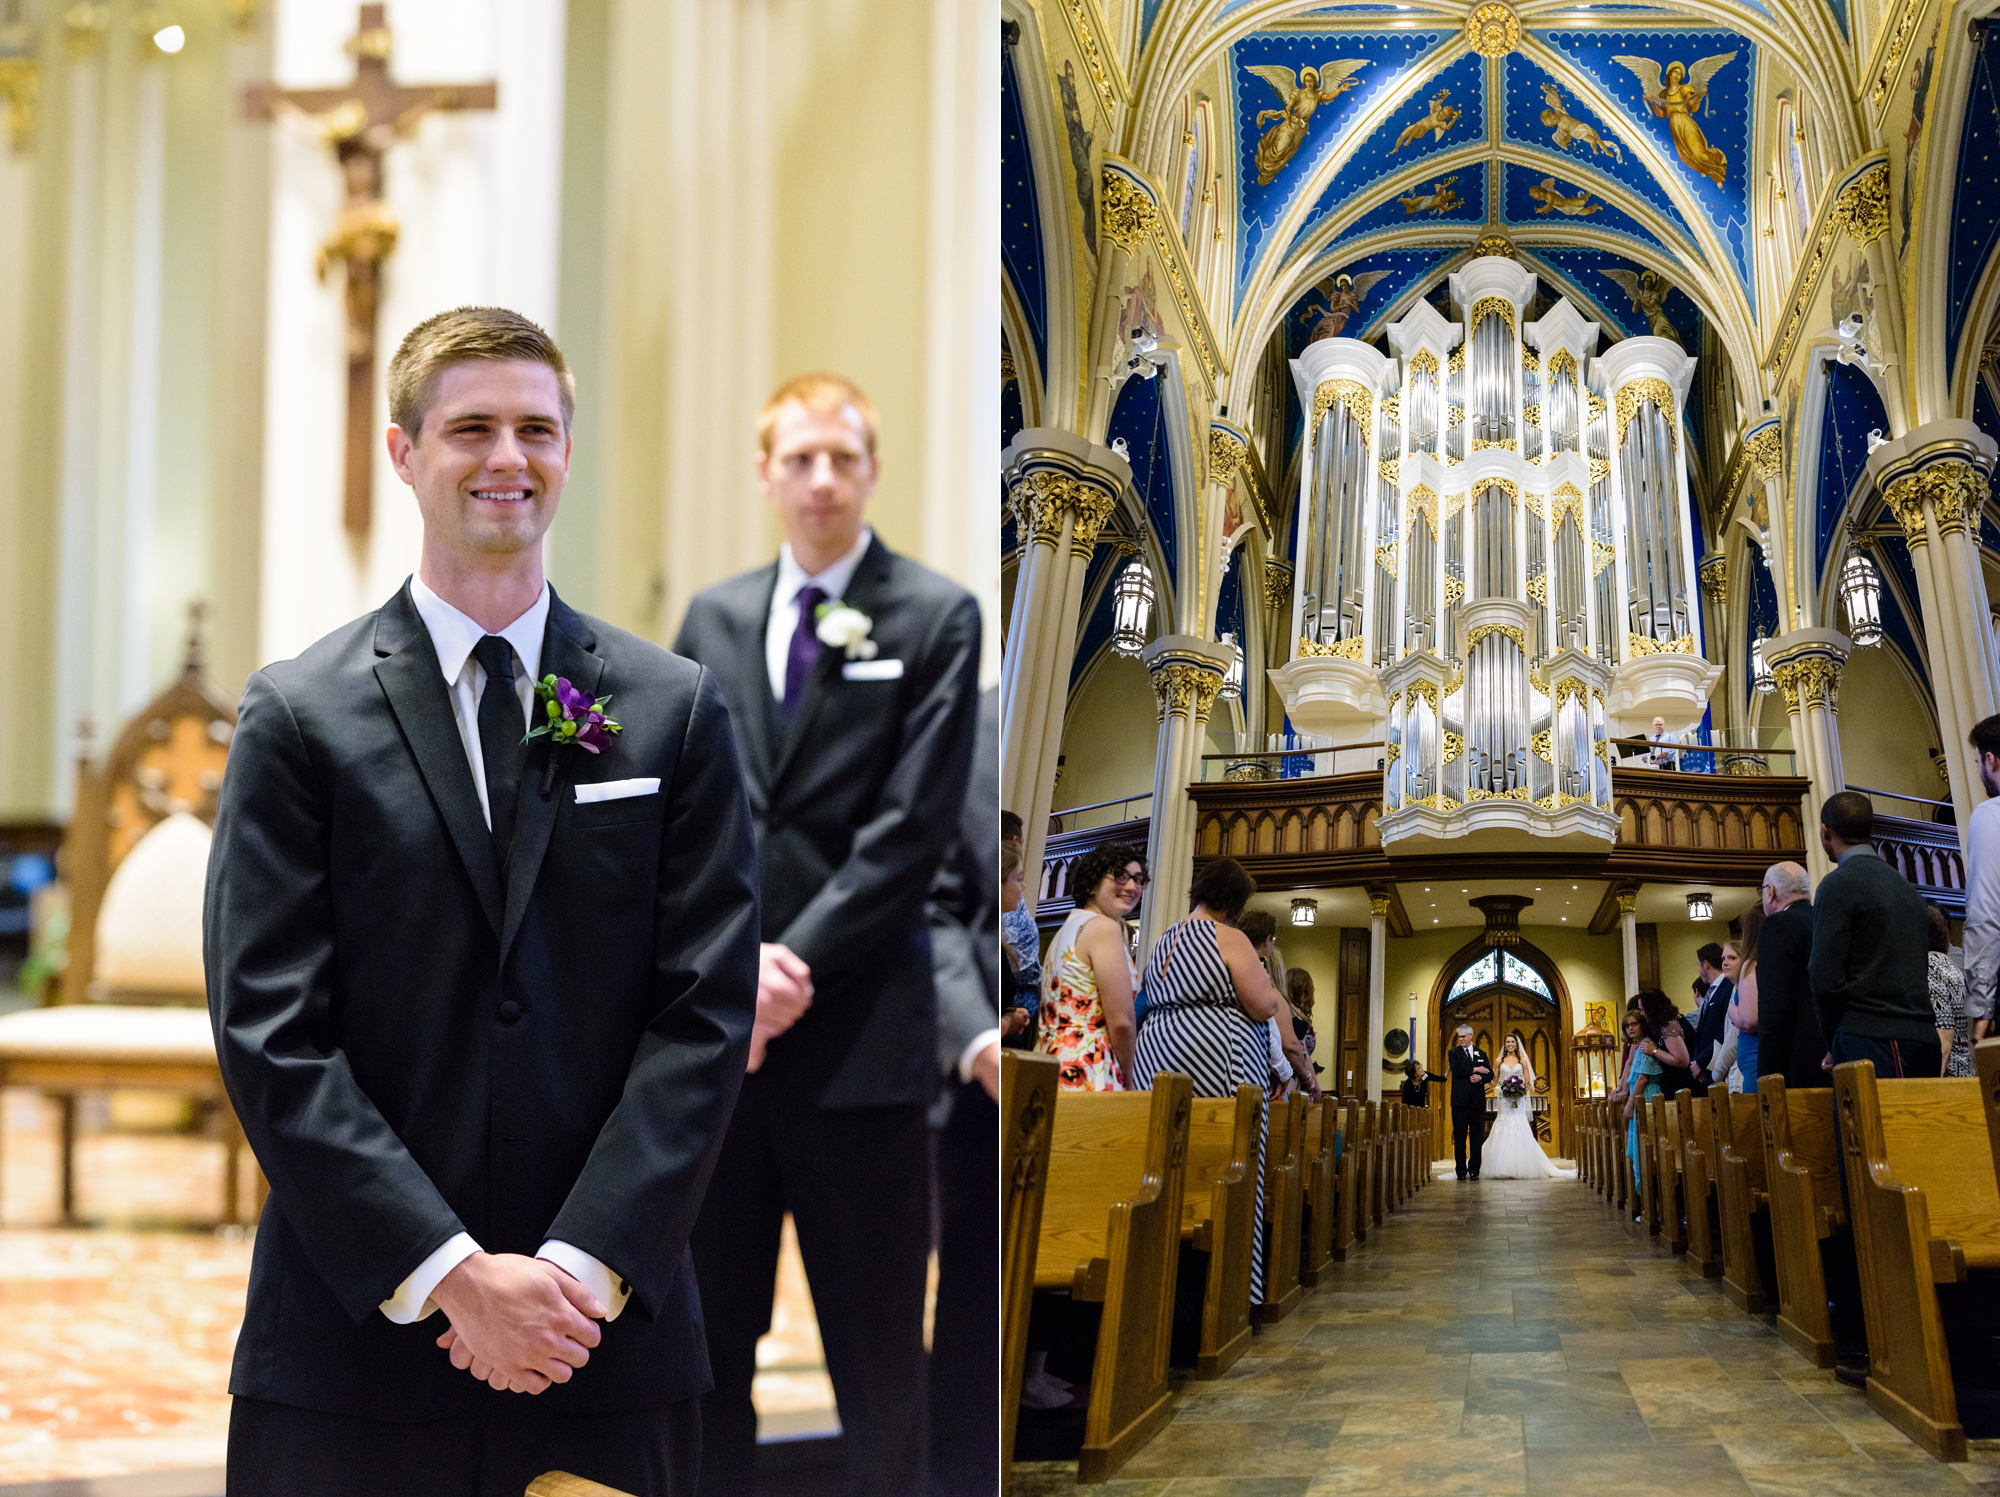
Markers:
point(510, 1010)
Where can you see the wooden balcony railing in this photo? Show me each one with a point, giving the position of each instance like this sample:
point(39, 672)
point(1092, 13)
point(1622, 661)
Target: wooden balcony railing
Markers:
point(1927, 854)
point(1055, 899)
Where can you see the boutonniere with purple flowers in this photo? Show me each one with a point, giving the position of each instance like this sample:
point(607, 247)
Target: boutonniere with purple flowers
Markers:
point(845, 628)
point(571, 717)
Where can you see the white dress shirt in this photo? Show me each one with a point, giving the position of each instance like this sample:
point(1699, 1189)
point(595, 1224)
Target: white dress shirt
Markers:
point(453, 635)
point(1982, 909)
point(784, 619)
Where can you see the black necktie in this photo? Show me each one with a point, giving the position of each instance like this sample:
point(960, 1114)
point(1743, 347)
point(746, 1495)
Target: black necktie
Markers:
point(502, 726)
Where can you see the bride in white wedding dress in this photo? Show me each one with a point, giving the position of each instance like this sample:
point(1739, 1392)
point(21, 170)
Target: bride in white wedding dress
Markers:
point(1511, 1150)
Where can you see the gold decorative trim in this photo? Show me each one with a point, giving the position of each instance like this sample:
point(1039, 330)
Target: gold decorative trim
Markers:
point(1898, 40)
point(1714, 576)
point(1637, 392)
point(1766, 449)
point(1539, 744)
point(1392, 408)
point(1390, 470)
point(1638, 644)
point(1454, 506)
point(1421, 500)
point(1340, 649)
point(1277, 583)
point(1497, 306)
point(1811, 682)
point(1595, 402)
point(1421, 362)
point(1480, 444)
point(1355, 397)
point(1954, 489)
point(1538, 589)
point(1456, 362)
point(1385, 557)
point(1600, 469)
point(20, 86)
point(1567, 505)
point(1425, 689)
point(1473, 637)
point(1182, 689)
point(1520, 792)
point(1531, 361)
point(1601, 556)
point(1492, 30)
point(1225, 454)
point(1042, 498)
point(1861, 211)
point(1531, 413)
point(1454, 592)
point(1454, 745)
point(1128, 215)
point(1560, 360)
point(1093, 55)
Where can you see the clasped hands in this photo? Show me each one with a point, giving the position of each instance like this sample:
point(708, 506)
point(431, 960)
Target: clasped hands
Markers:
point(784, 992)
point(517, 1324)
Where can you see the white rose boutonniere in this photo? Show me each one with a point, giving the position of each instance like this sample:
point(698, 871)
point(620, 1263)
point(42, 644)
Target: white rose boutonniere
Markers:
point(847, 629)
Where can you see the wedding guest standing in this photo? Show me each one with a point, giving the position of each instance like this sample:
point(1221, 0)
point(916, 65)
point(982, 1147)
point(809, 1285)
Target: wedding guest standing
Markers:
point(1789, 1043)
point(1982, 885)
point(1947, 990)
point(1209, 997)
point(852, 680)
point(1086, 1020)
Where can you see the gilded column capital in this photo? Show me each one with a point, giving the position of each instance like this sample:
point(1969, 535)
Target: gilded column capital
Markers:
point(20, 87)
point(1183, 688)
point(1906, 502)
point(1226, 452)
point(1714, 574)
point(1378, 904)
point(1862, 209)
point(1042, 496)
point(1277, 584)
point(1627, 902)
point(1126, 213)
point(1956, 490)
point(1766, 446)
point(1813, 681)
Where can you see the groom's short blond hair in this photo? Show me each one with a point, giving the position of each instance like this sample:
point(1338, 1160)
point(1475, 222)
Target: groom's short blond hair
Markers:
point(823, 395)
point(467, 335)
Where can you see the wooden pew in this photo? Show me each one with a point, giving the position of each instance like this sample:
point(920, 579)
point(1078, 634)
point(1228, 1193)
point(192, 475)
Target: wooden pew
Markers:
point(1667, 1162)
point(1027, 1113)
point(1625, 1169)
point(1920, 1219)
point(1704, 1243)
point(1645, 1173)
point(1321, 1207)
point(1111, 1234)
point(1347, 1176)
point(1219, 1217)
point(1378, 1167)
point(1800, 1173)
point(1986, 1059)
point(1742, 1201)
point(1284, 1205)
point(1363, 1136)
point(1392, 1156)
point(1584, 1138)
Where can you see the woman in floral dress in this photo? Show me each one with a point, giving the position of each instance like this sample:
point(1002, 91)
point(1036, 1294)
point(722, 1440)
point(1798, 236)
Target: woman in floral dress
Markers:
point(1087, 979)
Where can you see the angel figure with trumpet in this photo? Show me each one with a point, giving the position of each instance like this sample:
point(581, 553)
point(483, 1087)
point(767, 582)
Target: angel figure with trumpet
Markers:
point(1648, 295)
point(1677, 98)
point(1441, 118)
point(1344, 294)
point(1300, 94)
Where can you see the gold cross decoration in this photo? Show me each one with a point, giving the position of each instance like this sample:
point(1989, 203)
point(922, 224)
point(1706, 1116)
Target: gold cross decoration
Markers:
point(358, 124)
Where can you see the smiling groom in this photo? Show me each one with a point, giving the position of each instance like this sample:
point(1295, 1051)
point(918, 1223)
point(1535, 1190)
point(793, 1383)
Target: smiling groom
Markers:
point(481, 999)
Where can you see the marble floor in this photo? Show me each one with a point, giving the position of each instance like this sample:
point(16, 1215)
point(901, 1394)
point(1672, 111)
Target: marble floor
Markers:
point(115, 1342)
point(1507, 1339)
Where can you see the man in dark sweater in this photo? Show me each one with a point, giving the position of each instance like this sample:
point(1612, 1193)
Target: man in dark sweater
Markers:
point(1871, 992)
point(1870, 951)
point(1789, 1043)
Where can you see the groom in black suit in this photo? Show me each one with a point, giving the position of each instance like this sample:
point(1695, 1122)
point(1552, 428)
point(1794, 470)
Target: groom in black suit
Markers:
point(481, 1003)
point(1470, 1072)
point(851, 675)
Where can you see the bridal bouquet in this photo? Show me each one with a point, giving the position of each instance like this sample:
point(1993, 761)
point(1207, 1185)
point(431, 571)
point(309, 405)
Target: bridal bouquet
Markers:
point(1514, 1089)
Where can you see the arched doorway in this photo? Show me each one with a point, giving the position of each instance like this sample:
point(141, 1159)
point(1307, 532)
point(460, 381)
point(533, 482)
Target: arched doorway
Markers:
point(1502, 990)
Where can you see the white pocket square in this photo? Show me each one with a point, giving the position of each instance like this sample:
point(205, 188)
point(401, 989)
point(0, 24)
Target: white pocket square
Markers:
point(615, 790)
point(872, 670)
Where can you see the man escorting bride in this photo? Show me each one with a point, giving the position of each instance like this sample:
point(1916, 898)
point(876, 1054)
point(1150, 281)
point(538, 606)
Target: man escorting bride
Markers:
point(1512, 1151)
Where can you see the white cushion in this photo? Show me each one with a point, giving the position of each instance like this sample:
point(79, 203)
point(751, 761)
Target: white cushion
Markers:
point(106, 1031)
point(149, 927)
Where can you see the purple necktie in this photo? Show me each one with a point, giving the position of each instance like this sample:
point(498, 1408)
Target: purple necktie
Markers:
point(804, 652)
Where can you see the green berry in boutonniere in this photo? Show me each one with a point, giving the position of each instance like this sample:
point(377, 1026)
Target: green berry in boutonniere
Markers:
point(846, 629)
point(568, 716)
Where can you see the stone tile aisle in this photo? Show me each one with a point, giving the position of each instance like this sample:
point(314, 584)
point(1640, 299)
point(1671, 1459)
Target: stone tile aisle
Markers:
point(1506, 1339)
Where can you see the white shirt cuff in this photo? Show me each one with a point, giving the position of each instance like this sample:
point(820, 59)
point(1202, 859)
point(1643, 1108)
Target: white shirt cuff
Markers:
point(971, 1052)
point(412, 1300)
point(611, 1291)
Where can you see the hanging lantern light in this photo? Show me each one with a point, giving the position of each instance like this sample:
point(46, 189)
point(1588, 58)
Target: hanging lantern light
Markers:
point(1132, 609)
point(1305, 911)
point(1701, 907)
point(1761, 679)
point(1861, 597)
point(1232, 683)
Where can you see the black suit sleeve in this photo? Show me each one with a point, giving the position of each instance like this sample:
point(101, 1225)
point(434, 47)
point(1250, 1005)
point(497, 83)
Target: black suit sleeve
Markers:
point(364, 1210)
point(635, 1202)
point(875, 894)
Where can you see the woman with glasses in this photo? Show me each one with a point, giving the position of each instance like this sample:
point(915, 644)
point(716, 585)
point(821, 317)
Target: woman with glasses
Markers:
point(1208, 1000)
point(1087, 982)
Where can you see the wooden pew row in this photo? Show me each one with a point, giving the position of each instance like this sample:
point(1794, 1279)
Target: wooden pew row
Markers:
point(1801, 1171)
point(1920, 1218)
point(1110, 1234)
point(1665, 1113)
point(1742, 1200)
point(1321, 1206)
point(1027, 1113)
point(1284, 1198)
point(1698, 1178)
point(1347, 1177)
point(1219, 1217)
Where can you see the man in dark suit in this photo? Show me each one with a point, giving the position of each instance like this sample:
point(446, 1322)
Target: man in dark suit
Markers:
point(965, 957)
point(481, 1003)
point(851, 675)
point(1718, 990)
point(1789, 1043)
point(1470, 1071)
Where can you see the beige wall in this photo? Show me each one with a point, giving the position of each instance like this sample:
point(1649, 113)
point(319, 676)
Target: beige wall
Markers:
point(1109, 736)
point(1887, 733)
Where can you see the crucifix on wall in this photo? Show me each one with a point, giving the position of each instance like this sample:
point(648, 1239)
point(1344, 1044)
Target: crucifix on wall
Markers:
point(358, 124)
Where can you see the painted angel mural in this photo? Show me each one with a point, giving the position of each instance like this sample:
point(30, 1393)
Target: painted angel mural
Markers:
point(1677, 98)
point(1569, 128)
point(1649, 294)
point(1553, 200)
point(1441, 199)
point(1301, 94)
point(1441, 118)
point(1344, 294)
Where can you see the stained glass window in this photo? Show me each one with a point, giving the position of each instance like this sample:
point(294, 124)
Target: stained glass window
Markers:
point(1478, 975)
point(1497, 966)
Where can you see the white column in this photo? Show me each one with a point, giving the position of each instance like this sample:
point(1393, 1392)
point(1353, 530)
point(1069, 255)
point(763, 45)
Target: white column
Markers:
point(1628, 939)
point(1187, 674)
point(1806, 664)
point(1378, 975)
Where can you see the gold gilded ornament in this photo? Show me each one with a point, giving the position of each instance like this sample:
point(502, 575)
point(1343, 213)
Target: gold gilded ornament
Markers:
point(1493, 30)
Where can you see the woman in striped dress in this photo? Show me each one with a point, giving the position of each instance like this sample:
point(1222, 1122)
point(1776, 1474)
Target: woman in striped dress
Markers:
point(1208, 997)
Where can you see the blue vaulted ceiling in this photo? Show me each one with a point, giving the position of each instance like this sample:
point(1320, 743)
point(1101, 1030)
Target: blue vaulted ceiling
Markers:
point(1975, 211)
point(1853, 409)
point(1020, 216)
point(1451, 195)
point(1708, 154)
point(1140, 422)
point(1533, 197)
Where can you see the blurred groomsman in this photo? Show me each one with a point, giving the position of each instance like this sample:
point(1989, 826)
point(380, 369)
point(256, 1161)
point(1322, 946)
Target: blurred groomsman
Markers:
point(851, 677)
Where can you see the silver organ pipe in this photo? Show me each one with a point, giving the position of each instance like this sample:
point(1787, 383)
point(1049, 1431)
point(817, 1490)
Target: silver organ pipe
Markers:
point(1493, 543)
point(1388, 513)
point(1454, 568)
point(1420, 562)
point(1531, 401)
point(1658, 593)
point(1559, 409)
point(1490, 403)
point(1603, 581)
point(1453, 415)
point(1336, 569)
point(1421, 405)
point(1571, 594)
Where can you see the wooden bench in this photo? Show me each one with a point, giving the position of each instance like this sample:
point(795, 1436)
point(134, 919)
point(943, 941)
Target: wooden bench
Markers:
point(1920, 1218)
point(1111, 1234)
point(1664, 1115)
point(1377, 1161)
point(1645, 1174)
point(1284, 1205)
point(85, 1047)
point(1347, 1176)
point(1624, 1177)
point(1704, 1243)
point(1219, 1217)
point(1027, 1115)
point(1742, 1201)
point(1321, 1203)
point(1801, 1176)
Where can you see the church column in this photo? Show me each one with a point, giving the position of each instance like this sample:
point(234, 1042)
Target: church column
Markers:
point(1628, 938)
point(1187, 674)
point(1806, 664)
point(1378, 980)
point(1062, 489)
